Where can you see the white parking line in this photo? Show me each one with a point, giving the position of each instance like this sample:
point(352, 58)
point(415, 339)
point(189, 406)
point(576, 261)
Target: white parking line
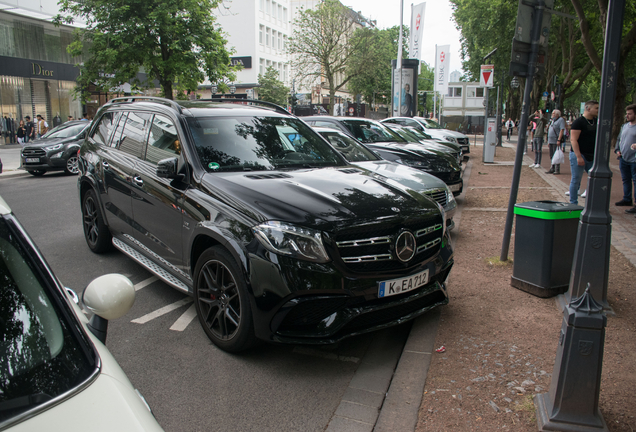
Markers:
point(164, 310)
point(185, 319)
point(145, 283)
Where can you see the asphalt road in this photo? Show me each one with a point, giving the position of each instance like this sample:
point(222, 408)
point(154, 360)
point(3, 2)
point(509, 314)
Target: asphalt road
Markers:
point(188, 382)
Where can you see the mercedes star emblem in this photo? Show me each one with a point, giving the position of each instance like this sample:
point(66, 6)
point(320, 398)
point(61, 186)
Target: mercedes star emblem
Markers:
point(405, 246)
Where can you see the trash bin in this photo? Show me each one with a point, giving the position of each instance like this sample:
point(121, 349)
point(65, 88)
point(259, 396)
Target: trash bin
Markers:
point(545, 237)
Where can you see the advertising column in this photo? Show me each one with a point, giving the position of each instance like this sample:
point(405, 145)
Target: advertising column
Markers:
point(408, 108)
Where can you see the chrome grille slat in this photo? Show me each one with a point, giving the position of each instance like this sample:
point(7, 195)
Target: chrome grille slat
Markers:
point(428, 230)
point(439, 195)
point(364, 242)
point(368, 258)
point(429, 245)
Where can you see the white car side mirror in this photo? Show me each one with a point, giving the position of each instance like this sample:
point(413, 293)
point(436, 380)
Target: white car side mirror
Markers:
point(110, 296)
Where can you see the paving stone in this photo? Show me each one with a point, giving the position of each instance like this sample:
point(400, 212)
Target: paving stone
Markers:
point(339, 424)
point(358, 412)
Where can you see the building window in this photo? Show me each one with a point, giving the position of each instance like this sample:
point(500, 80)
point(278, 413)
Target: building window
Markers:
point(480, 92)
point(280, 41)
point(280, 12)
point(268, 34)
point(268, 5)
point(454, 92)
point(261, 5)
point(274, 38)
point(260, 34)
point(470, 92)
point(285, 15)
point(261, 66)
point(285, 42)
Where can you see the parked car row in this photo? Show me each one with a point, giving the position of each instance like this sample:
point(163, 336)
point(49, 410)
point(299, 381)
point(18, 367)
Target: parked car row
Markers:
point(279, 231)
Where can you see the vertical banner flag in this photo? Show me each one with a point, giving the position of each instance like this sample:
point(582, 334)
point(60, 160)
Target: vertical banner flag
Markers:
point(417, 31)
point(442, 68)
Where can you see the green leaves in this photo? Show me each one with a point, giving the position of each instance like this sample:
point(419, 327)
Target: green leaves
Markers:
point(271, 88)
point(174, 41)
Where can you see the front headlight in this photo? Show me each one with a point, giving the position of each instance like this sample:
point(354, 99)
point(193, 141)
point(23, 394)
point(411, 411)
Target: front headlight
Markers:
point(290, 240)
point(415, 163)
point(451, 139)
point(57, 155)
point(450, 198)
point(54, 147)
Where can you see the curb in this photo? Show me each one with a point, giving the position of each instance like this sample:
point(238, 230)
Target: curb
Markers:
point(401, 407)
point(13, 173)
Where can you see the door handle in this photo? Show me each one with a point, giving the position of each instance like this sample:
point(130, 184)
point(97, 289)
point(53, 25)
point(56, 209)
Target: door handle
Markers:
point(105, 164)
point(138, 181)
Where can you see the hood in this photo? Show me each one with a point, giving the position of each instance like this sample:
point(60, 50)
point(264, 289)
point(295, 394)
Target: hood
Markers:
point(450, 133)
point(45, 142)
point(415, 149)
point(324, 199)
point(408, 177)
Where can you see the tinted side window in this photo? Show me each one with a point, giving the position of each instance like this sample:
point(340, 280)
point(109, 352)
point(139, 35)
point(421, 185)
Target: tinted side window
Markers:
point(411, 123)
point(102, 132)
point(324, 124)
point(133, 138)
point(118, 130)
point(163, 141)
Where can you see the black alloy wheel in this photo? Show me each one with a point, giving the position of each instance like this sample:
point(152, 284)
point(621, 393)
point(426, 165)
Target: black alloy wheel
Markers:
point(72, 167)
point(97, 234)
point(37, 173)
point(220, 295)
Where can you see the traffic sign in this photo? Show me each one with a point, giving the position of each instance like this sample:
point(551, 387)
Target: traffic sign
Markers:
point(545, 94)
point(486, 77)
point(552, 95)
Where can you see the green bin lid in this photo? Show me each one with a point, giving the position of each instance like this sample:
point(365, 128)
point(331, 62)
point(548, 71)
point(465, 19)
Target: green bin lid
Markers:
point(551, 210)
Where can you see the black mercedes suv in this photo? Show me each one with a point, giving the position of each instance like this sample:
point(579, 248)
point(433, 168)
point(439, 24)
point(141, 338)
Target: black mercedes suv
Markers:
point(247, 209)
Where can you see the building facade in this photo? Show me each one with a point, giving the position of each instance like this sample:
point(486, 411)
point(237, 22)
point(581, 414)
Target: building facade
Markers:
point(258, 31)
point(37, 75)
point(463, 107)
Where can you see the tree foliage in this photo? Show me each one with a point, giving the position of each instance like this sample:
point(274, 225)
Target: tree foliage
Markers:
point(370, 67)
point(271, 89)
point(322, 46)
point(174, 41)
point(574, 53)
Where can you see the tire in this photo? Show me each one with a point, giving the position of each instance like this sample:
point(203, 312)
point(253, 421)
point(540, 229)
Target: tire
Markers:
point(37, 173)
point(72, 167)
point(222, 303)
point(97, 235)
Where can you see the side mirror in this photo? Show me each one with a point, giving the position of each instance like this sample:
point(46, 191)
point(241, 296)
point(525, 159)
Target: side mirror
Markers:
point(108, 297)
point(167, 168)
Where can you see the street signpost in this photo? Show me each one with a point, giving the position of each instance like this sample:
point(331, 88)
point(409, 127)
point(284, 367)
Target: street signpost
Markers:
point(487, 75)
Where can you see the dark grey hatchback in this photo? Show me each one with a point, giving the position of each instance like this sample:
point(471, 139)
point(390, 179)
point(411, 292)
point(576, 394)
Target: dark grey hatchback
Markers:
point(275, 235)
point(56, 150)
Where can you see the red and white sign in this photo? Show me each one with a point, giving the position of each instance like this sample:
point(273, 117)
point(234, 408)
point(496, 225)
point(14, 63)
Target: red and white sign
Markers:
point(486, 77)
point(442, 69)
point(417, 31)
point(552, 95)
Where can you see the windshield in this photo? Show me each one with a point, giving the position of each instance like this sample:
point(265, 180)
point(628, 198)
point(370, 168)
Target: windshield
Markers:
point(350, 148)
point(65, 131)
point(40, 356)
point(259, 143)
point(406, 134)
point(432, 124)
point(371, 132)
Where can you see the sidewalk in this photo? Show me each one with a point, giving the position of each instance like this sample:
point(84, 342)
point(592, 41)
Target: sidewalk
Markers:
point(500, 343)
point(10, 156)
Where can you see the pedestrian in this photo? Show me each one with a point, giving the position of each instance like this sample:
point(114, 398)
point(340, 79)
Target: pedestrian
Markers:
point(70, 118)
point(627, 158)
point(537, 136)
point(42, 126)
point(509, 126)
point(555, 138)
point(30, 130)
point(22, 133)
point(583, 141)
point(84, 117)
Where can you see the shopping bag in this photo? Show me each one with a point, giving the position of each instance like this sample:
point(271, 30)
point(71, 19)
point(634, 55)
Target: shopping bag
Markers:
point(558, 157)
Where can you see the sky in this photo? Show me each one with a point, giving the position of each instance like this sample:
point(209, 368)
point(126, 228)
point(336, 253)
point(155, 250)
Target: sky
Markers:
point(438, 25)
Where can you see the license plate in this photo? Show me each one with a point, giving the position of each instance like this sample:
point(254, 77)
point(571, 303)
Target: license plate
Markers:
point(397, 286)
point(455, 187)
point(29, 160)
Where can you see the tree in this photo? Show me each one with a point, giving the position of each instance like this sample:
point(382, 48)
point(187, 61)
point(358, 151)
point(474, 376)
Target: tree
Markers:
point(174, 41)
point(322, 46)
point(370, 67)
point(271, 88)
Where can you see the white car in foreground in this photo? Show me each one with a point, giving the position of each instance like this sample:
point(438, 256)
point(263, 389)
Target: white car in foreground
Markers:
point(55, 374)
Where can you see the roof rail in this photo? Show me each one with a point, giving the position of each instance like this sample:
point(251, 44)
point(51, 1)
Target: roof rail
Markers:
point(278, 108)
point(163, 101)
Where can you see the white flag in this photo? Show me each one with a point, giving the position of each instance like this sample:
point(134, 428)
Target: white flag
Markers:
point(417, 31)
point(442, 68)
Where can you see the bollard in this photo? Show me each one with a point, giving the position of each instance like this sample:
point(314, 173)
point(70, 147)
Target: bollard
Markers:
point(572, 402)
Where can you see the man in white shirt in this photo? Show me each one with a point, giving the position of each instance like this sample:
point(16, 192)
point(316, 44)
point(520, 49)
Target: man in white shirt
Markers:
point(41, 126)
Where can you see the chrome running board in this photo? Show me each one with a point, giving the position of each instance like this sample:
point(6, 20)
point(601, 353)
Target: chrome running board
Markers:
point(151, 266)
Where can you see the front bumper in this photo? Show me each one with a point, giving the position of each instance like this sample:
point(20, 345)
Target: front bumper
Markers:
point(326, 304)
point(45, 162)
